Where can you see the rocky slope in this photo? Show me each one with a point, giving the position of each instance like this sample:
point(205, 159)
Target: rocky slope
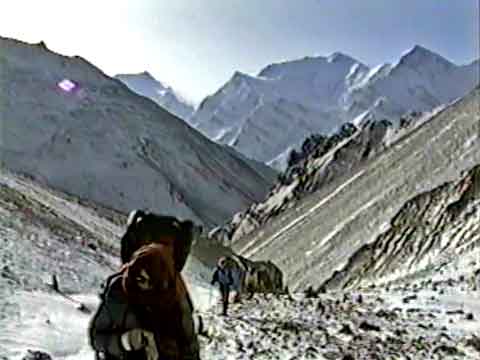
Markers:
point(374, 324)
point(320, 161)
point(432, 225)
point(45, 233)
point(264, 116)
point(322, 232)
point(69, 125)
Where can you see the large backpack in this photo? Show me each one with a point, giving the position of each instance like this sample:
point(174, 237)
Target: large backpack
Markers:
point(145, 228)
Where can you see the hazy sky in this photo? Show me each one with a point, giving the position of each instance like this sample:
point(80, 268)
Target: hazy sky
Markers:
point(196, 45)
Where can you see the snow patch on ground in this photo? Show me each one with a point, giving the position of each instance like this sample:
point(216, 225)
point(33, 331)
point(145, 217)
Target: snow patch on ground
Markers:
point(49, 323)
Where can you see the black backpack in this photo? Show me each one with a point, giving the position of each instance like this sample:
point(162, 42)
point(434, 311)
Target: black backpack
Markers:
point(142, 227)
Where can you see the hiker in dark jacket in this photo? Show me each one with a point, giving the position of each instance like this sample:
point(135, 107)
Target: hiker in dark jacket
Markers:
point(223, 275)
point(120, 311)
point(145, 312)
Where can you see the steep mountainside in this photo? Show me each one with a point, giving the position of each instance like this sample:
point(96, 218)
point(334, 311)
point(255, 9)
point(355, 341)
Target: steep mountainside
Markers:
point(320, 161)
point(69, 125)
point(146, 85)
point(323, 231)
point(45, 232)
point(264, 116)
point(428, 230)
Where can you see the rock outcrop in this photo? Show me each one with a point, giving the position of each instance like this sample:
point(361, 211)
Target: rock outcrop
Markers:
point(431, 227)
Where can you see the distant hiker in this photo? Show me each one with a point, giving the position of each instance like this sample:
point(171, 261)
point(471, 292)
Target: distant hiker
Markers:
point(223, 275)
point(171, 318)
point(145, 313)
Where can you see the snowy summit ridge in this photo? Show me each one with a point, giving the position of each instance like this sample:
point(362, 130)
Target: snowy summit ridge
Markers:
point(262, 116)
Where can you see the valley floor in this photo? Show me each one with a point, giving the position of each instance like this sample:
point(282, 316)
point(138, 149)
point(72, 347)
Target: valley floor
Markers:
point(431, 314)
point(439, 321)
point(399, 324)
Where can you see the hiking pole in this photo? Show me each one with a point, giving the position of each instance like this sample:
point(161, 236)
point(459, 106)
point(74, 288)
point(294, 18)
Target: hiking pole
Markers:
point(55, 287)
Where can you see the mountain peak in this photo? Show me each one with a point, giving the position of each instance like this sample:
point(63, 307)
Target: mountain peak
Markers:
point(419, 55)
point(145, 84)
point(338, 56)
point(308, 64)
point(145, 74)
point(239, 75)
point(42, 45)
point(418, 49)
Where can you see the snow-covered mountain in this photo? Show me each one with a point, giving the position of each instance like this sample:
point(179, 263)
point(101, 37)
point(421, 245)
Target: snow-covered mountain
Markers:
point(264, 115)
point(320, 161)
point(392, 212)
point(146, 85)
point(376, 228)
point(67, 124)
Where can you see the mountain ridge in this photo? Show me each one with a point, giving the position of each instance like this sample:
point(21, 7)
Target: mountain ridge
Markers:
point(146, 85)
point(323, 230)
point(319, 94)
point(71, 126)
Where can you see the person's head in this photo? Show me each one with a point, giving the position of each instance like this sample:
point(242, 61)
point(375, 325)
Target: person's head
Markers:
point(222, 262)
point(150, 272)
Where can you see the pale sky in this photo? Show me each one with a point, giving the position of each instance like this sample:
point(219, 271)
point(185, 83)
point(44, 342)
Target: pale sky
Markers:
point(196, 45)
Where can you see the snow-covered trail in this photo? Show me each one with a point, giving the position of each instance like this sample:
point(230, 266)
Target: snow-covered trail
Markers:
point(272, 327)
point(45, 233)
point(340, 325)
point(41, 320)
point(47, 322)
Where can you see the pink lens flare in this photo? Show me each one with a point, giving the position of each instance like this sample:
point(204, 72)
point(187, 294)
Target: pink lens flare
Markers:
point(67, 85)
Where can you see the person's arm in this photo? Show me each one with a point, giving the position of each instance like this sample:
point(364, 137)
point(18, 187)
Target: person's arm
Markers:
point(103, 335)
point(108, 335)
point(214, 278)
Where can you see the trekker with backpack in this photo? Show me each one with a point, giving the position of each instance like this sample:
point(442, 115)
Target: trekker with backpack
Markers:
point(142, 316)
point(146, 312)
point(225, 278)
